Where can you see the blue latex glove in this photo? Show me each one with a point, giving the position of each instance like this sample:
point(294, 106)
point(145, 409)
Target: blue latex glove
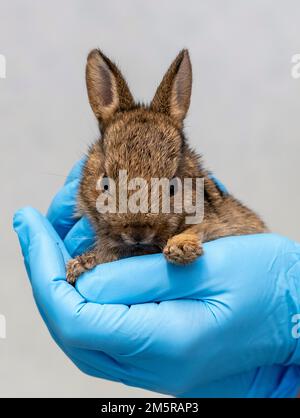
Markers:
point(218, 321)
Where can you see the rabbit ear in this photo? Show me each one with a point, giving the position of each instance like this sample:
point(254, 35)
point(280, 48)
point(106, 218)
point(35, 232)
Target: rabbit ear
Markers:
point(174, 92)
point(107, 89)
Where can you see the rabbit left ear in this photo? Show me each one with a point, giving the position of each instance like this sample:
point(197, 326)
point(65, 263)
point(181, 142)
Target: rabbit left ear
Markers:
point(107, 89)
point(174, 92)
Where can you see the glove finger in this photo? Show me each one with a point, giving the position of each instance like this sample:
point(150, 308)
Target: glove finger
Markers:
point(45, 257)
point(30, 220)
point(225, 266)
point(61, 212)
point(76, 171)
point(151, 278)
point(219, 184)
point(80, 238)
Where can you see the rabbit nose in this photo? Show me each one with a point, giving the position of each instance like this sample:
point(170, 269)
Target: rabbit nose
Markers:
point(137, 236)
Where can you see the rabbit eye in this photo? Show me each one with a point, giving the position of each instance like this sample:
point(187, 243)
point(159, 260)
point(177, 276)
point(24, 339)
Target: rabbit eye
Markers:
point(105, 183)
point(173, 186)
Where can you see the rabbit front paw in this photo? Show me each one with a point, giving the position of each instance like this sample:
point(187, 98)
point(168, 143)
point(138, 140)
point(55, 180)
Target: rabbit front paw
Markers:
point(183, 249)
point(79, 265)
point(74, 270)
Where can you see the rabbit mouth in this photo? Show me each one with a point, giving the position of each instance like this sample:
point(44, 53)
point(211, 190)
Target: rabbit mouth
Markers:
point(130, 244)
point(142, 245)
point(140, 249)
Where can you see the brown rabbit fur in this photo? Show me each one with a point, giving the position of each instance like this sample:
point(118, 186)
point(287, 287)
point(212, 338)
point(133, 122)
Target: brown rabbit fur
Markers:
point(148, 142)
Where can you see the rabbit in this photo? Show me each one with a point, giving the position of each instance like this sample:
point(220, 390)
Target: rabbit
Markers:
point(148, 142)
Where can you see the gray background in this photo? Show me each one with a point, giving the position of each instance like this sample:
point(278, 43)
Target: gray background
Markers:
point(244, 118)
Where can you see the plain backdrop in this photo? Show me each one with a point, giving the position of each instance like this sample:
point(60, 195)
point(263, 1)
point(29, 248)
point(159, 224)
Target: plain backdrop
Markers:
point(244, 119)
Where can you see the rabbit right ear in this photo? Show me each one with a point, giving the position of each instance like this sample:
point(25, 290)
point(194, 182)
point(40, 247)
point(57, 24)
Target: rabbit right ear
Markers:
point(174, 92)
point(108, 91)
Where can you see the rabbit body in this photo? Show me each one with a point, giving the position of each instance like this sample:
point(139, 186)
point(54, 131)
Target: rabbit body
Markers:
point(148, 142)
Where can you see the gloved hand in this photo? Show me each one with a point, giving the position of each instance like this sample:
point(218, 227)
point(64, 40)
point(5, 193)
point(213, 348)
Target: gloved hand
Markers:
point(201, 330)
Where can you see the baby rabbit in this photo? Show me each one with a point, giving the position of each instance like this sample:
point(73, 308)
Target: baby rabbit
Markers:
point(148, 142)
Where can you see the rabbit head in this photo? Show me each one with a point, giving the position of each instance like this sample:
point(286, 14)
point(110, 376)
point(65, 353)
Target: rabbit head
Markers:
point(145, 142)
